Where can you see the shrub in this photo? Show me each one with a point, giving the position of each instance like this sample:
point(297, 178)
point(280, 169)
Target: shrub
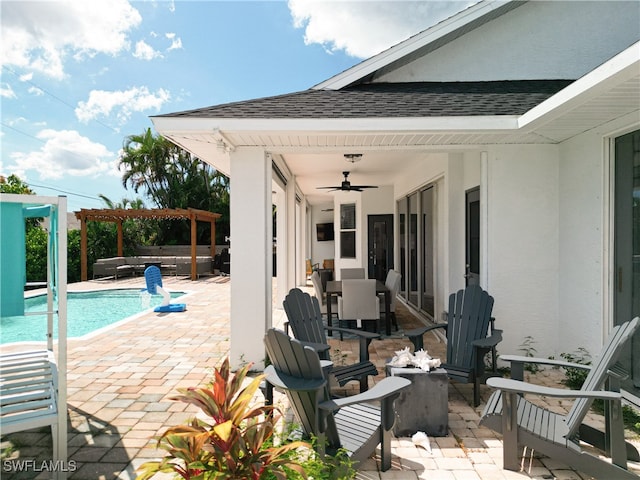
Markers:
point(576, 376)
point(235, 442)
point(528, 350)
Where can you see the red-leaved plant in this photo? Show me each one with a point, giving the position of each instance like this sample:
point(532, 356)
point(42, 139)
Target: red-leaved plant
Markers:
point(234, 444)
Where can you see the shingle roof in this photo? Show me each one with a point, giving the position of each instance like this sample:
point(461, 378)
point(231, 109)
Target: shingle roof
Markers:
point(384, 100)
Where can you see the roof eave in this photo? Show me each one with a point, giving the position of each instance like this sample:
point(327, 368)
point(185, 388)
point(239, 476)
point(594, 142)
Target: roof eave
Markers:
point(622, 67)
point(171, 125)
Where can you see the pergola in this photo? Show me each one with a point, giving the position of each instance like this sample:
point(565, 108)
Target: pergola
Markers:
point(118, 215)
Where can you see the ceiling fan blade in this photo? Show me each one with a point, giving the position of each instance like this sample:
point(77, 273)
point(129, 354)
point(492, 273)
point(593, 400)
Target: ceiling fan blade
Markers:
point(346, 186)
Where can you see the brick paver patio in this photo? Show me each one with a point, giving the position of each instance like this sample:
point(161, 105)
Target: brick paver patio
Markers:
point(120, 381)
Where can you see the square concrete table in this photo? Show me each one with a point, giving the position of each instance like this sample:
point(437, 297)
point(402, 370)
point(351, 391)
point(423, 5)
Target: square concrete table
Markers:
point(424, 405)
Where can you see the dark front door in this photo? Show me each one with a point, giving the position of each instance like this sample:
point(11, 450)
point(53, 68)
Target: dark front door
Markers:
point(627, 249)
point(472, 274)
point(380, 246)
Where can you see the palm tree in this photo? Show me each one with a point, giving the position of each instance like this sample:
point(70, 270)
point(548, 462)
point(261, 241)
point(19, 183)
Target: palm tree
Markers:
point(145, 159)
point(126, 203)
point(172, 178)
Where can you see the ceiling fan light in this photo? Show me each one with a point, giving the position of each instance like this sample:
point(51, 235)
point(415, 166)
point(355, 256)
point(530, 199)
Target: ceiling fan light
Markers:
point(352, 157)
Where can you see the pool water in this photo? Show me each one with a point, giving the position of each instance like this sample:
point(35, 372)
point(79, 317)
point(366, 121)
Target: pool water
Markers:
point(86, 312)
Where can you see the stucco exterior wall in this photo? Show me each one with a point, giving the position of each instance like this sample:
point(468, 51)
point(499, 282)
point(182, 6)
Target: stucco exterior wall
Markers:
point(546, 268)
point(523, 233)
point(524, 44)
point(582, 204)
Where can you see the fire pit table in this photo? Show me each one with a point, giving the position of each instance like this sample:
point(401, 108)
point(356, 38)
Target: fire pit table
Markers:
point(422, 406)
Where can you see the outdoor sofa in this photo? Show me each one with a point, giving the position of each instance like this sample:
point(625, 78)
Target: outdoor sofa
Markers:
point(130, 266)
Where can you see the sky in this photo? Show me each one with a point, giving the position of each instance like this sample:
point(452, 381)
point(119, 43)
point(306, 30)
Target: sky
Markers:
point(78, 77)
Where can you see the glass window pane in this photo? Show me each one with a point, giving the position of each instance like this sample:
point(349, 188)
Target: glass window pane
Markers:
point(427, 283)
point(402, 239)
point(413, 249)
point(348, 216)
point(348, 244)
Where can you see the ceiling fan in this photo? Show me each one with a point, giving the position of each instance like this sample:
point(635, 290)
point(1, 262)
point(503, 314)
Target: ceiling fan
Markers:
point(347, 187)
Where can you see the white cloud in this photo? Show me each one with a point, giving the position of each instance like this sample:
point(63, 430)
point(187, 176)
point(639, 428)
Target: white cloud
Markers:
point(64, 153)
point(176, 42)
point(122, 103)
point(42, 35)
point(15, 121)
point(6, 91)
point(35, 91)
point(144, 51)
point(365, 28)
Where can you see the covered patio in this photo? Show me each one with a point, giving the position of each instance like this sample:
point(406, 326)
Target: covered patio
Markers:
point(501, 164)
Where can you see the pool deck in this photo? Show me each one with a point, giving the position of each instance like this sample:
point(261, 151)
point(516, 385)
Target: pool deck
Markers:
point(120, 382)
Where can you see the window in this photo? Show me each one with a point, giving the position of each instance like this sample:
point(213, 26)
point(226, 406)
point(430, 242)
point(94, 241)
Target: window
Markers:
point(348, 230)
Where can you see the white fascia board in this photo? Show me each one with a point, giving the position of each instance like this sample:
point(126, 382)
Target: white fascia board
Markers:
point(410, 45)
point(620, 68)
point(29, 199)
point(184, 125)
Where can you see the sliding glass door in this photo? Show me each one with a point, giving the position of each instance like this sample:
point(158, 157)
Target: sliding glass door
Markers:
point(627, 249)
point(413, 249)
point(417, 249)
point(427, 283)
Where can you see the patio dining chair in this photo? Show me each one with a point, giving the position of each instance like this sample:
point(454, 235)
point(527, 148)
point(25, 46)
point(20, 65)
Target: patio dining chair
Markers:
point(328, 264)
point(392, 282)
point(320, 294)
point(311, 267)
point(359, 303)
point(352, 273)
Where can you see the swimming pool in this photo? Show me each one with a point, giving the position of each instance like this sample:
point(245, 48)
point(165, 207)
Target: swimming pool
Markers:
point(86, 312)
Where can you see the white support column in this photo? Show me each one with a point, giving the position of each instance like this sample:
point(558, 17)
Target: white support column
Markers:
point(293, 253)
point(455, 230)
point(484, 220)
point(302, 242)
point(251, 255)
point(283, 244)
point(61, 283)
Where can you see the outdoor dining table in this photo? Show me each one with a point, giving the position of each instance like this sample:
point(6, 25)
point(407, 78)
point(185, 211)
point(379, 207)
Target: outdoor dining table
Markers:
point(334, 287)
